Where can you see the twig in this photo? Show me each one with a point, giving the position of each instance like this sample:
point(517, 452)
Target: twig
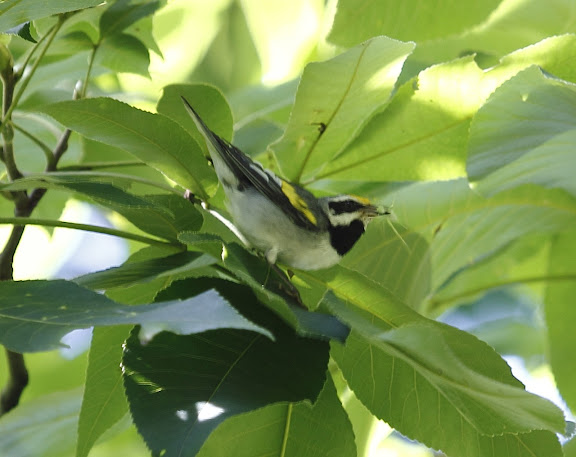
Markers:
point(22, 221)
point(16, 383)
point(24, 205)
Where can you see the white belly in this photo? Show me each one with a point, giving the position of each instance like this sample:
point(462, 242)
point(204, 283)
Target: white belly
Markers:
point(269, 230)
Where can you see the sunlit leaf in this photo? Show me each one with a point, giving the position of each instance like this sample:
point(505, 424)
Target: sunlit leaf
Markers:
point(560, 313)
point(124, 53)
point(207, 100)
point(409, 20)
point(525, 133)
point(423, 132)
point(326, 117)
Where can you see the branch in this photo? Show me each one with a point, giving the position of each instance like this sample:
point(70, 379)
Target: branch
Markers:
point(24, 205)
point(22, 221)
point(16, 383)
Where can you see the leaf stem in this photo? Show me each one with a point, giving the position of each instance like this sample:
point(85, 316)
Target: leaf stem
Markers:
point(26, 80)
point(84, 88)
point(112, 176)
point(286, 429)
point(43, 146)
point(88, 166)
point(22, 221)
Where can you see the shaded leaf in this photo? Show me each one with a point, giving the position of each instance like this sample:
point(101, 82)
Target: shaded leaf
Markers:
point(34, 315)
point(176, 266)
point(255, 272)
point(161, 215)
point(122, 14)
point(14, 13)
point(152, 138)
point(291, 430)
point(23, 31)
point(175, 407)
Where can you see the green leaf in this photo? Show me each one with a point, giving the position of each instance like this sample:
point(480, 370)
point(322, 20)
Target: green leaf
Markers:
point(326, 117)
point(70, 44)
point(207, 100)
point(255, 272)
point(464, 228)
point(152, 138)
point(409, 20)
point(23, 31)
point(560, 314)
point(175, 406)
point(289, 430)
point(403, 269)
point(16, 12)
point(122, 14)
point(176, 266)
point(34, 315)
point(104, 403)
point(422, 134)
point(524, 260)
point(405, 375)
point(123, 53)
point(47, 425)
point(525, 134)
point(161, 215)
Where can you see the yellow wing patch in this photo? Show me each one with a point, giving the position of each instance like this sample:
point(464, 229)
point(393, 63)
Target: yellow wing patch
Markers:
point(298, 202)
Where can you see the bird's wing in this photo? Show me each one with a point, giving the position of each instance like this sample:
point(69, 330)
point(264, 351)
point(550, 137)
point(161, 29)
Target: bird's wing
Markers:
point(288, 197)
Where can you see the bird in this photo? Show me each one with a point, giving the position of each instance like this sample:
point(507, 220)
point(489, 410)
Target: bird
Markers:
point(281, 219)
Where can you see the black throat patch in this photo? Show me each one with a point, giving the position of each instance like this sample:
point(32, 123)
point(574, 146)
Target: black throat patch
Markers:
point(343, 237)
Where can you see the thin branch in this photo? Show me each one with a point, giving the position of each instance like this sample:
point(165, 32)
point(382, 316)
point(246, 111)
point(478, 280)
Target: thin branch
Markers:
point(21, 221)
point(16, 383)
point(24, 205)
point(26, 80)
point(60, 149)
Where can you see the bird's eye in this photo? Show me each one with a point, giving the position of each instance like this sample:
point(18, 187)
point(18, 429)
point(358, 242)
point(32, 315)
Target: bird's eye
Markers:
point(345, 206)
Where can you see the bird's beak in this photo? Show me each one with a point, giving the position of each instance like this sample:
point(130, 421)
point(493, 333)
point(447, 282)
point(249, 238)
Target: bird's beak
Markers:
point(374, 211)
